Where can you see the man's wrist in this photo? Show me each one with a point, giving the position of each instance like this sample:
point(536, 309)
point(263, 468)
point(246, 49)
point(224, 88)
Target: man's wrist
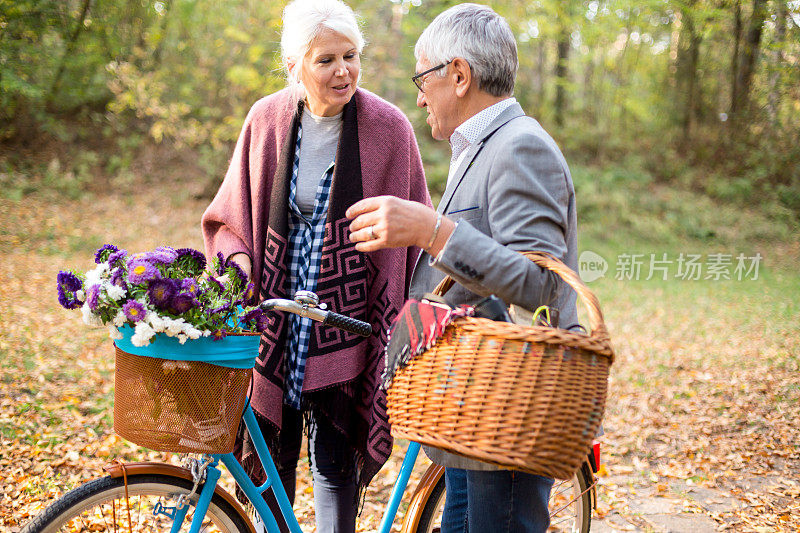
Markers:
point(445, 231)
point(434, 233)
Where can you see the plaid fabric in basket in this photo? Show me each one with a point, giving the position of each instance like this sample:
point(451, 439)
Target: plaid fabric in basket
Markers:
point(418, 326)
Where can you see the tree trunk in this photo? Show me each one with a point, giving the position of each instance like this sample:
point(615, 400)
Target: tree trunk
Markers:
point(395, 29)
point(777, 58)
point(541, 62)
point(686, 70)
point(70, 48)
point(748, 59)
point(561, 75)
point(589, 102)
point(737, 38)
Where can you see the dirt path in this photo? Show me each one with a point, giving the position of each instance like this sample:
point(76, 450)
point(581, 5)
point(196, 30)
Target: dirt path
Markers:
point(685, 507)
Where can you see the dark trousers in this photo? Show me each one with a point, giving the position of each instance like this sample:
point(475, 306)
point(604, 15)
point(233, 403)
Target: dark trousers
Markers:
point(332, 467)
point(503, 501)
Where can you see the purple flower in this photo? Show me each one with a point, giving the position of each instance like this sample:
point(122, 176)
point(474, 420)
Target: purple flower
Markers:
point(68, 285)
point(220, 264)
point(251, 316)
point(262, 322)
point(255, 320)
point(134, 311)
point(216, 283)
point(103, 252)
point(118, 278)
point(182, 302)
point(249, 292)
point(69, 281)
point(168, 250)
point(140, 271)
point(161, 292)
point(93, 297)
point(219, 334)
point(238, 270)
point(221, 309)
point(190, 286)
point(162, 255)
point(190, 259)
point(116, 257)
point(68, 302)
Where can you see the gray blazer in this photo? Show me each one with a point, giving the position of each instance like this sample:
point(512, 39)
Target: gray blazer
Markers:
point(512, 191)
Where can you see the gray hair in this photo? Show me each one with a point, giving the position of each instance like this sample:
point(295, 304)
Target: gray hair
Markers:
point(479, 35)
point(303, 21)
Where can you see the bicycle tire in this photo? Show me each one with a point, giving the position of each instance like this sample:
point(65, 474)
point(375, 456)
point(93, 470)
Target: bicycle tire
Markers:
point(432, 509)
point(99, 492)
point(578, 520)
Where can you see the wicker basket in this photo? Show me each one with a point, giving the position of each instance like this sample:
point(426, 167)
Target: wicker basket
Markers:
point(178, 406)
point(526, 398)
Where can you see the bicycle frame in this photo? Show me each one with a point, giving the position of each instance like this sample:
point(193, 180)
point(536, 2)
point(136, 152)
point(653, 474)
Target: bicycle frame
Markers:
point(305, 304)
point(273, 481)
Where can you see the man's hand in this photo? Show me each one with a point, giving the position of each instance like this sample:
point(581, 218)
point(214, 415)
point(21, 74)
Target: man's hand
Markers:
point(389, 222)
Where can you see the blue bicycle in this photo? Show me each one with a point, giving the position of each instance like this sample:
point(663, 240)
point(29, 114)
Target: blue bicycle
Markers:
point(152, 497)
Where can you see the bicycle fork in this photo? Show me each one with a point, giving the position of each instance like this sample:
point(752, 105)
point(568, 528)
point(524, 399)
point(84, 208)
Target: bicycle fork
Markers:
point(205, 472)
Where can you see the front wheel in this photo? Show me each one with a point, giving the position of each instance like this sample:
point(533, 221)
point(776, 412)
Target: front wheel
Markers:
point(100, 505)
point(570, 505)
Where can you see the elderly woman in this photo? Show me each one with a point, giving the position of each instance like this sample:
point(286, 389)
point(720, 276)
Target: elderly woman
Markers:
point(304, 156)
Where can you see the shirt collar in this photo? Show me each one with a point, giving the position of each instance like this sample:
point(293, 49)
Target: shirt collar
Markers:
point(470, 130)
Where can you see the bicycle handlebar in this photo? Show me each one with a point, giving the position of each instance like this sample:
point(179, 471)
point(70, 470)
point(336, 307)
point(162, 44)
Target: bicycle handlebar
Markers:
point(329, 318)
point(348, 324)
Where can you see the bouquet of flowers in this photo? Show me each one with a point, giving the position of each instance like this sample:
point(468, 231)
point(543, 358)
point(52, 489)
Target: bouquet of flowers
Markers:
point(166, 291)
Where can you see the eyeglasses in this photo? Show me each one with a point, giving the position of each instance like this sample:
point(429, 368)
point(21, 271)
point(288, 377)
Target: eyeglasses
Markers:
point(419, 82)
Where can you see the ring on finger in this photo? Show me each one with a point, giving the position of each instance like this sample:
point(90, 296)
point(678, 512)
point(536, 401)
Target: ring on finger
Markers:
point(372, 233)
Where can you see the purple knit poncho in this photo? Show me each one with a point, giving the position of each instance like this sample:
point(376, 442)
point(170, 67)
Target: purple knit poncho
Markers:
point(377, 155)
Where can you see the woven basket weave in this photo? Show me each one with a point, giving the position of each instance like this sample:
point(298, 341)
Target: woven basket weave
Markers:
point(178, 406)
point(526, 398)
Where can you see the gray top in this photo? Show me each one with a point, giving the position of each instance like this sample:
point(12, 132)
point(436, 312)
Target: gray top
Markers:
point(317, 151)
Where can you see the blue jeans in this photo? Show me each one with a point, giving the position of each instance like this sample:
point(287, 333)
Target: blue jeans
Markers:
point(503, 501)
point(332, 467)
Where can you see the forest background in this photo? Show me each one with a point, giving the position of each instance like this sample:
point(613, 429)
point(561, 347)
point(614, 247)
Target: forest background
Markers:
point(681, 124)
point(700, 93)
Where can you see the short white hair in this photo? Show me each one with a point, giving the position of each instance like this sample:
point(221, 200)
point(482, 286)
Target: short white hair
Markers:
point(479, 35)
point(304, 20)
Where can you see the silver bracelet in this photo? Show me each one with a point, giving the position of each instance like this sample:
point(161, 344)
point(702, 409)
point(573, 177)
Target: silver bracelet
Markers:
point(435, 230)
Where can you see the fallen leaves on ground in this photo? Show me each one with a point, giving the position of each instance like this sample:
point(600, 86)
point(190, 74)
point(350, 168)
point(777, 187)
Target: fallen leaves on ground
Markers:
point(701, 396)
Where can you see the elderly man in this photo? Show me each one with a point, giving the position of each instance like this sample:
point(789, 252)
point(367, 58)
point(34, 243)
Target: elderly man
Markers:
point(508, 190)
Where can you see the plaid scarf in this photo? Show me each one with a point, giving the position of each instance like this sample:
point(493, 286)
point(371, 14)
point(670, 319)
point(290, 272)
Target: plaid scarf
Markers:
point(305, 257)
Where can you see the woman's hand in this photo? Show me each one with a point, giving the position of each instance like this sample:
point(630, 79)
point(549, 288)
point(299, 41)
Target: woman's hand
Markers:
point(389, 222)
point(243, 260)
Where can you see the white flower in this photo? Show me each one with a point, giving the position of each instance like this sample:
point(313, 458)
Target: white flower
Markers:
point(95, 276)
point(206, 332)
point(80, 294)
point(114, 292)
point(90, 318)
point(193, 333)
point(176, 327)
point(165, 323)
point(142, 334)
point(182, 338)
point(158, 323)
point(120, 318)
point(114, 333)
